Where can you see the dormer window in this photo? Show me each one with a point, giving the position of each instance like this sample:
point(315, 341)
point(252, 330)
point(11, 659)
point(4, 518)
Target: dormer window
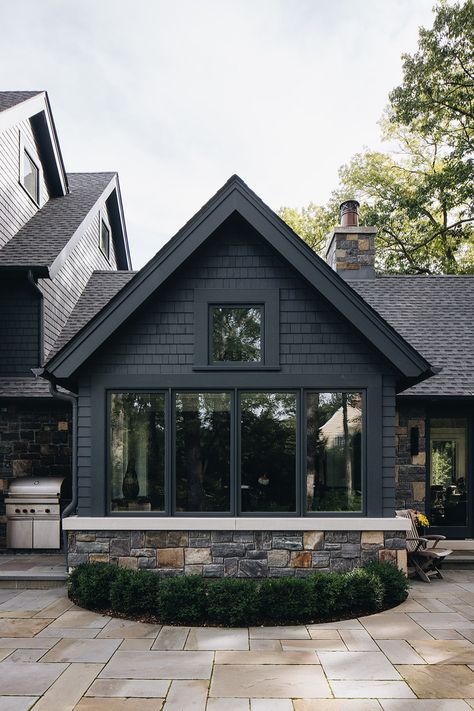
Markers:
point(104, 239)
point(30, 176)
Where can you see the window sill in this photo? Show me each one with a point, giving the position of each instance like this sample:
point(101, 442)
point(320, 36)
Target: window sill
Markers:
point(239, 367)
point(202, 523)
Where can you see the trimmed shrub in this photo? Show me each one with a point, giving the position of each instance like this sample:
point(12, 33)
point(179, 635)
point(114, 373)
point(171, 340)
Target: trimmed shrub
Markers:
point(193, 600)
point(395, 583)
point(90, 584)
point(232, 601)
point(134, 592)
point(364, 591)
point(182, 600)
point(282, 599)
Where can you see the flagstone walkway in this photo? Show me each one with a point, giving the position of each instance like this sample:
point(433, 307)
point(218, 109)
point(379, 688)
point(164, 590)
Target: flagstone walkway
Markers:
point(418, 657)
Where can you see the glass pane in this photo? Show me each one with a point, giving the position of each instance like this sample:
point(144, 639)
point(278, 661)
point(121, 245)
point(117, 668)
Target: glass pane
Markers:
point(448, 482)
point(137, 451)
point(236, 334)
point(203, 451)
point(104, 239)
point(30, 176)
point(268, 451)
point(334, 452)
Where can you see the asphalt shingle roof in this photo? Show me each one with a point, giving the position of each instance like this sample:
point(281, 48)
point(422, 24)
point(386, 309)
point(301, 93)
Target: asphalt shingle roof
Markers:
point(12, 98)
point(99, 290)
point(435, 315)
point(39, 242)
point(24, 387)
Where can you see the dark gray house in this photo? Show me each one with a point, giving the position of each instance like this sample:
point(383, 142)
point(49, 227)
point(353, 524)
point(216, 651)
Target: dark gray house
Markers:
point(245, 408)
point(56, 229)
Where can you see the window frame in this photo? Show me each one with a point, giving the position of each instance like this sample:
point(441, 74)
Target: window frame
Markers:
point(235, 453)
point(25, 147)
point(364, 467)
point(267, 299)
point(104, 222)
point(210, 328)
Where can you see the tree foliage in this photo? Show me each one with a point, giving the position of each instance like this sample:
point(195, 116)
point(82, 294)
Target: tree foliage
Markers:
point(437, 92)
point(419, 194)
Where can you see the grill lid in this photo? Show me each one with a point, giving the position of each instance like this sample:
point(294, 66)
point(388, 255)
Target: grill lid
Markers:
point(36, 486)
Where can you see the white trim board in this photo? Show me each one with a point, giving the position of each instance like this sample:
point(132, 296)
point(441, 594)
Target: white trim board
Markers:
point(146, 523)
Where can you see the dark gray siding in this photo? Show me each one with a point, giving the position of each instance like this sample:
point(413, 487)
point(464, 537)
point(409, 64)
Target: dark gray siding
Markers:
point(20, 308)
point(160, 339)
point(155, 348)
point(62, 292)
point(16, 206)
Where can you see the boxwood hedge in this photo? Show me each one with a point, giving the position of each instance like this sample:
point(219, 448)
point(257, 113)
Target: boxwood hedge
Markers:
point(193, 600)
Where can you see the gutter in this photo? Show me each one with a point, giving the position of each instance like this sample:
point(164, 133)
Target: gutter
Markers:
point(72, 399)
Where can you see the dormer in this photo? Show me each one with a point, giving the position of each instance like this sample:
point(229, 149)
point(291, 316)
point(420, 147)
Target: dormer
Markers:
point(31, 166)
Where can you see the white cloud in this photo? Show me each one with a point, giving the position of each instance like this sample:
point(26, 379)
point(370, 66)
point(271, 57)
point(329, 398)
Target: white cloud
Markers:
point(177, 96)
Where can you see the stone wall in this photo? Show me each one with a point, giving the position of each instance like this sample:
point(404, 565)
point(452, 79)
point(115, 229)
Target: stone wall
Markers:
point(35, 440)
point(252, 554)
point(410, 469)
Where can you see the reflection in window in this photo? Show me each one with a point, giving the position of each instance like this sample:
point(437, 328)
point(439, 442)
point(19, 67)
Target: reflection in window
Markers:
point(203, 451)
point(104, 241)
point(268, 451)
point(448, 457)
point(333, 451)
point(137, 451)
point(30, 176)
point(236, 334)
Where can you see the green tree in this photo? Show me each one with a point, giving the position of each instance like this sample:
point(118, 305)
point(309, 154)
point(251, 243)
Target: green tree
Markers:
point(437, 92)
point(419, 194)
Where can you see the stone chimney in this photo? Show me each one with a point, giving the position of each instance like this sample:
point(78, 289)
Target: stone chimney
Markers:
point(351, 248)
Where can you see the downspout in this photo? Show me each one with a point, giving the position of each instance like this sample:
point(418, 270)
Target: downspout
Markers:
point(72, 399)
point(36, 288)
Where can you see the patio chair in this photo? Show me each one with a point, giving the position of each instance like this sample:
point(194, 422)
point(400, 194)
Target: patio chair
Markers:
point(424, 560)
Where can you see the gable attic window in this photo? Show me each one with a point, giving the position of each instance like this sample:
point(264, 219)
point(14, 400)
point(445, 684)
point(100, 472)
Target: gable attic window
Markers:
point(236, 334)
point(237, 329)
point(104, 238)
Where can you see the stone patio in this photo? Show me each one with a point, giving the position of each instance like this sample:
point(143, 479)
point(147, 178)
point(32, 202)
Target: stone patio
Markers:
point(419, 656)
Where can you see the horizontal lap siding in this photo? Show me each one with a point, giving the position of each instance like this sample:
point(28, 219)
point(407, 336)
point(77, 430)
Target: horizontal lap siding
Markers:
point(16, 207)
point(84, 468)
point(62, 292)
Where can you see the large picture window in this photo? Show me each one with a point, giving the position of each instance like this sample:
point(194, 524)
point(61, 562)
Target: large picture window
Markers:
point(333, 452)
point(137, 451)
point(202, 452)
point(268, 452)
point(247, 452)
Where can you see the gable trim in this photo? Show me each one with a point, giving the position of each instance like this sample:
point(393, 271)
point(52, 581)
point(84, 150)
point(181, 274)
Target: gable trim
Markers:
point(235, 196)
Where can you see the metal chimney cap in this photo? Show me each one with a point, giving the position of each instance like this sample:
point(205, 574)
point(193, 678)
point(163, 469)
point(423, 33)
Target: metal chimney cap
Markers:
point(349, 213)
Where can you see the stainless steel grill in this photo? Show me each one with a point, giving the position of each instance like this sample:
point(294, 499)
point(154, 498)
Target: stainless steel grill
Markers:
point(33, 514)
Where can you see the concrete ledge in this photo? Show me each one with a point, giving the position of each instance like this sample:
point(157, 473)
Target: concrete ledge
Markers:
point(149, 523)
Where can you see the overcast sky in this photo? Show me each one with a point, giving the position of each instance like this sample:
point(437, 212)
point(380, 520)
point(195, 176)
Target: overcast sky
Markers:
point(178, 95)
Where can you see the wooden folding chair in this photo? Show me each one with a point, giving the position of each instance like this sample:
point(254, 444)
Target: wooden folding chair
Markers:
point(423, 560)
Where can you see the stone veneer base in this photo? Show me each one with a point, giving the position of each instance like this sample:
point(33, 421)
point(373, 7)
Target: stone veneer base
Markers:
point(237, 553)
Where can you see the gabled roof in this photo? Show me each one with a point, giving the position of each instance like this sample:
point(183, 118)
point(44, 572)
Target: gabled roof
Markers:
point(45, 241)
point(16, 106)
point(99, 290)
point(434, 314)
point(234, 197)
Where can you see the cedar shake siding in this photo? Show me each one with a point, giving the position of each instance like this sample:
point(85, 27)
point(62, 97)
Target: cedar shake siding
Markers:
point(155, 348)
point(20, 308)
